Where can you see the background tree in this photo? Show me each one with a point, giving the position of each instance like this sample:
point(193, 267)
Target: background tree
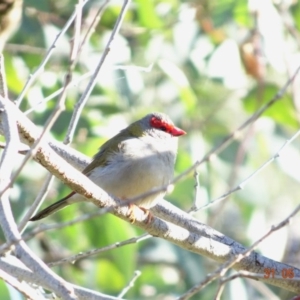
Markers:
point(210, 65)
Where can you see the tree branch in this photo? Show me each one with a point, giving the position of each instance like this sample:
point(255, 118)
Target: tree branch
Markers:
point(7, 222)
point(14, 267)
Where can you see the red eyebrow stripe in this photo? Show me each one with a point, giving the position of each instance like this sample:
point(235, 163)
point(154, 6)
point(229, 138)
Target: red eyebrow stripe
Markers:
point(170, 128)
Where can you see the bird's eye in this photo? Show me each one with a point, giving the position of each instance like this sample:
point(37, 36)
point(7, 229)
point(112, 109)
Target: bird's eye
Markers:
point(163, 128)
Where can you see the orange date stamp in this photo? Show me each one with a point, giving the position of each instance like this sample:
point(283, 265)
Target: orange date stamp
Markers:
point(285, 273)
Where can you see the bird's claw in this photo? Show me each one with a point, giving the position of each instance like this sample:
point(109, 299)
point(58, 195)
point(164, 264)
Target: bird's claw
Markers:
point(131, 214)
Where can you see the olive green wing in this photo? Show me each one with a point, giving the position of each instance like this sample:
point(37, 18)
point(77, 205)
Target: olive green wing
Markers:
point(108, 148)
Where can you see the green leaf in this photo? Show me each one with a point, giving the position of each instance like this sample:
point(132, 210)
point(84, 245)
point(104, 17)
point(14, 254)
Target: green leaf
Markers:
point(241, 14)
point(147, 15)
point(109, 277)
point(282, 112)
point(296, 14)
point(187, 95)
point(107, 230)
point(14, 82)
point(4, 291)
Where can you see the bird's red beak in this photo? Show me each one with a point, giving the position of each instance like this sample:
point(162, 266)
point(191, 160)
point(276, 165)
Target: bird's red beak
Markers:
point(177, 131)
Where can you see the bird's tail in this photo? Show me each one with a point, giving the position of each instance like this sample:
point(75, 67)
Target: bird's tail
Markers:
point(53, 208)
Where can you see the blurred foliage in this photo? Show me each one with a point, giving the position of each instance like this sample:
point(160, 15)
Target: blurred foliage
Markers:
point(213, 64)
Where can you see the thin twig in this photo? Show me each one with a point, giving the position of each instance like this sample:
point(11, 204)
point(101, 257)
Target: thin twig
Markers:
point(15, 48)
point(219, 291)
point(267, 293)
point(81, 103)
point(41, 67)
point(244, 182)
point(75, 83)
point(241, 152)
point(196, 191)
point(130, 284)
point(3, 84)
point(250, 275)
point(76, 38)
point(92, 27)
point(43, 228)
point(72, 259)
point(36, 203)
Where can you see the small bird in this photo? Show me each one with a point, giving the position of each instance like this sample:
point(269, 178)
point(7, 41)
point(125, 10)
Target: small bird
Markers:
point(138, 159)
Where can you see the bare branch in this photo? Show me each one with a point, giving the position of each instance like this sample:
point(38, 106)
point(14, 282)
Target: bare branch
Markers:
point(22, 287)
point(130, 284)
point(80, 104)
point(92, 27)
point(251, 176)
point(74, 258)
point(37, 203)
point(12, 266)
point(3, 84)
point(6, 218)
point(196, 191)
point(40, 69)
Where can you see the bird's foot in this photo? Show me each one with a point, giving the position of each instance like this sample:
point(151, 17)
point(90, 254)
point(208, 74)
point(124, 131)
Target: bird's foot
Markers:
point(131, 213)
point(149, 215)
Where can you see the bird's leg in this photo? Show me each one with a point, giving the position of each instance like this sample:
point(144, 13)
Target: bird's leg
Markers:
point(131, 214)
